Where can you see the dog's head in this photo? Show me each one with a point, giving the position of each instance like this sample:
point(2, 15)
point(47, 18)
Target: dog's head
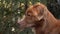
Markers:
point(32, 16)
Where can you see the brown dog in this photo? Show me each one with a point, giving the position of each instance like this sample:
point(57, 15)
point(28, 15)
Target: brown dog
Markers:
point(39, 17)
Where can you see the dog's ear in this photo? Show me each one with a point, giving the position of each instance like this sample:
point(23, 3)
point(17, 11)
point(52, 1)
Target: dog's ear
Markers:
point(41, 12)
point(40, 9)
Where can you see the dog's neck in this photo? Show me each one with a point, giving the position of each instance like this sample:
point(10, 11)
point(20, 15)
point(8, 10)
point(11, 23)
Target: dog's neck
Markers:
point(50, 17)
point(38, 26)
point(48, 20)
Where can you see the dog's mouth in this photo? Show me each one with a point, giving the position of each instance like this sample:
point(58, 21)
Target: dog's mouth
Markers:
point(22, 27)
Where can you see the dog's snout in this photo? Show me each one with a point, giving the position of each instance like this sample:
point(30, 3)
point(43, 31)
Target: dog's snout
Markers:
point(22, 23)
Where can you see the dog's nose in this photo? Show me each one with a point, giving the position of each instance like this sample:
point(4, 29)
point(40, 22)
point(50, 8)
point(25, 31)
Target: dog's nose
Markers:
point(19, 23)
point(22, 23)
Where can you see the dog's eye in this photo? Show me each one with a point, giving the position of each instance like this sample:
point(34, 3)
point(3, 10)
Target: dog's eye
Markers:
point(28, 15)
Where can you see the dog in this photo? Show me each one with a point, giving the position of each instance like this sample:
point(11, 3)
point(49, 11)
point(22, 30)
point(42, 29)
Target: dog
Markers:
point(41, 19)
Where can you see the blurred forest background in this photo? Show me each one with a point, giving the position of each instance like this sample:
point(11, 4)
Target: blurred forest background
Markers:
point(13, 10)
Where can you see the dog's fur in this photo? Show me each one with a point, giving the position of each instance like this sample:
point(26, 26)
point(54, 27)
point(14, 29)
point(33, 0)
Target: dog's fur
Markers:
point(39, 17)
